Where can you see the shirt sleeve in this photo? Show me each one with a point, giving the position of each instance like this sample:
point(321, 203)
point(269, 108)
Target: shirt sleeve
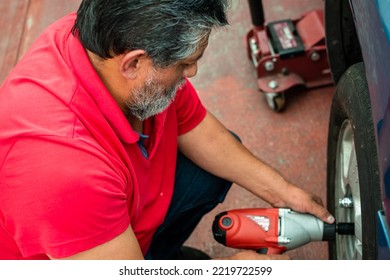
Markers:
point(189, 108)
point(65, 197)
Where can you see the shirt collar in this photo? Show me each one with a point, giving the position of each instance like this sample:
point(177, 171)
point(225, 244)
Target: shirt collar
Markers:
point(91, 82)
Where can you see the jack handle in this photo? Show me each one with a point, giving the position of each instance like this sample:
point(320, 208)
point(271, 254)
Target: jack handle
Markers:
point(257, 12)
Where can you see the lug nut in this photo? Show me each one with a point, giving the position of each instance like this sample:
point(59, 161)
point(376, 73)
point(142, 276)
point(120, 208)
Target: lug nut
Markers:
point(346, 202)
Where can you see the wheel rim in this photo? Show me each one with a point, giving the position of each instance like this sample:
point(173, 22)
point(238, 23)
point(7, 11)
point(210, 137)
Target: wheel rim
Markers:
point(347, 195)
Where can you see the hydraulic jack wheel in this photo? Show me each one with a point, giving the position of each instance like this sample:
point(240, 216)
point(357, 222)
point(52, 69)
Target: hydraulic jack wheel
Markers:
point(287, 53)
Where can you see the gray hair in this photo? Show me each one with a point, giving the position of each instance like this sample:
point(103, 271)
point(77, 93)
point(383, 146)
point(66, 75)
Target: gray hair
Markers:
point(168, 30)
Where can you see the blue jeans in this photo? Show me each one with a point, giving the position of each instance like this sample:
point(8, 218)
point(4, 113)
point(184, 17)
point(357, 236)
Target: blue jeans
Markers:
point(196, 193)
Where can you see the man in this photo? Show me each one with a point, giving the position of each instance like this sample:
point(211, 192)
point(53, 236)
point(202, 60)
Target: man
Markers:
point(105, 142)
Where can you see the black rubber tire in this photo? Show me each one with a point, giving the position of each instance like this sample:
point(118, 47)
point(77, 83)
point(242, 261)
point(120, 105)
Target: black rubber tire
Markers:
point(351, 102)
point(341, 39)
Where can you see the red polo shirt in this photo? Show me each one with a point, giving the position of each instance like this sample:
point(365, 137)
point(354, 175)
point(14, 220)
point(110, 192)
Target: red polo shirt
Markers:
point(71, 173)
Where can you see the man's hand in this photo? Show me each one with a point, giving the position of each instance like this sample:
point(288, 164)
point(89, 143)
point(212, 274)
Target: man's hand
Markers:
point(304, 202)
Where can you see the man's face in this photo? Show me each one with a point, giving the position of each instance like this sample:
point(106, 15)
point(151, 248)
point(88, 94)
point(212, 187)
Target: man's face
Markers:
point(161, 85)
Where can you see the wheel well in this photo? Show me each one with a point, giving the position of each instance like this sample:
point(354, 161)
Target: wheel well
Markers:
point(341, 39)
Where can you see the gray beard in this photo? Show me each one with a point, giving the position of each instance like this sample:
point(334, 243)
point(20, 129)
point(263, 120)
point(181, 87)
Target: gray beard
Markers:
point(151, 99)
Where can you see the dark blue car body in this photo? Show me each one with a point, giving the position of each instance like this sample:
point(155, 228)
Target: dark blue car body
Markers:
point(372, 22)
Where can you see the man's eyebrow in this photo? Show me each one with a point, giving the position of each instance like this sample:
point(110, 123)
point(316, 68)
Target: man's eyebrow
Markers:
point(192, 60)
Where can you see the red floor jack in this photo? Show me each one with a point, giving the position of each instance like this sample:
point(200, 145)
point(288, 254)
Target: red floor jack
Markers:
point(287, 53)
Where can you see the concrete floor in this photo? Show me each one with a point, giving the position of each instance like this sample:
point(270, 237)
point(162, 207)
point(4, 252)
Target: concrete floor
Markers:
point(294, 141)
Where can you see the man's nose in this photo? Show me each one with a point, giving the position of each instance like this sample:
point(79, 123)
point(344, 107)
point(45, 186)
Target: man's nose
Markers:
point(190, 70)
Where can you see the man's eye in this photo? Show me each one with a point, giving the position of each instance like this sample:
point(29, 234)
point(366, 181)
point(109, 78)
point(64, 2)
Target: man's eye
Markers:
point(189, 64)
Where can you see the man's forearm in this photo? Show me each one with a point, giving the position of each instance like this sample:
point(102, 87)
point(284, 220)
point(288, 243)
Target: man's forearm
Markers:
point(211, 146)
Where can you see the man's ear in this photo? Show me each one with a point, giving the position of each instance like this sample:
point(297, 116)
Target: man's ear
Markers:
point(130, 63)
